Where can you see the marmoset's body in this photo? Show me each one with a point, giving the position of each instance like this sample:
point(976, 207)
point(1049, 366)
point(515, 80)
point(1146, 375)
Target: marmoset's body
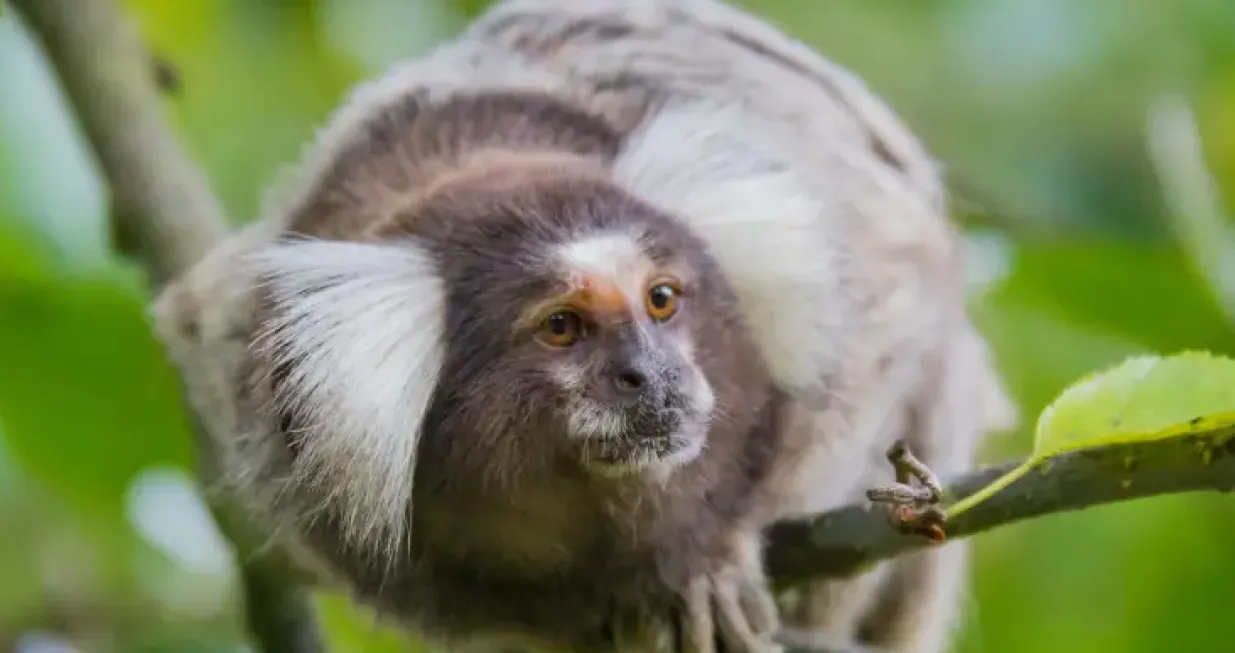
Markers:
point(552, 322)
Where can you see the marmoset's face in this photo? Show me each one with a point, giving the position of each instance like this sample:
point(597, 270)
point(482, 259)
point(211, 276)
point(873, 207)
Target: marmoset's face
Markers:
point(614, 338)
point(578, 314)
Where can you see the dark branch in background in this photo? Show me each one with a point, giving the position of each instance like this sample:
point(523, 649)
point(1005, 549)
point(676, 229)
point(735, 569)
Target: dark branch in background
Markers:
point(167, 216)
point(164, 213)
point(159, 196)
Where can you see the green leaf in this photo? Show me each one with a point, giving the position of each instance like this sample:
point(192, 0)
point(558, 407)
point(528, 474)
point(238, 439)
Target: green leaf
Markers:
point(87, 398)
point(1143, 398)
point(1143, 292)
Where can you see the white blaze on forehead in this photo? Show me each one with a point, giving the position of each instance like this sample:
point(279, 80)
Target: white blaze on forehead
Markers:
point(615, 257)
point(359, 328)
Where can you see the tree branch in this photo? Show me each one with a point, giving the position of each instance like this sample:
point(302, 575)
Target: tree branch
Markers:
point(158, 195)
point(164, 212)
point(847, 541)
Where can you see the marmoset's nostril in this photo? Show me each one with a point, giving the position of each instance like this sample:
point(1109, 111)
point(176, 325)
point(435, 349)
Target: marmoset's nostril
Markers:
point(629, 381)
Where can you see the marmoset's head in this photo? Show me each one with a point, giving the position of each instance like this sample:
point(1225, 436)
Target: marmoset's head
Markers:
point(515, 318)
point(575, 317)
point(561, 307)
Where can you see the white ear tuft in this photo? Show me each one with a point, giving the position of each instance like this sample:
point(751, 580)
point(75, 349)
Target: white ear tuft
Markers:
point(359, 329)
point(719, 171)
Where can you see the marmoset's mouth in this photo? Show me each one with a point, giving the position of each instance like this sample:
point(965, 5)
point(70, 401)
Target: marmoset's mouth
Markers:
point(660, 447)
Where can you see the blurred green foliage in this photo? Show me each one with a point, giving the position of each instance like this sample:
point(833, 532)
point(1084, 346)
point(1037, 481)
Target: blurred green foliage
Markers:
point(1037, 107)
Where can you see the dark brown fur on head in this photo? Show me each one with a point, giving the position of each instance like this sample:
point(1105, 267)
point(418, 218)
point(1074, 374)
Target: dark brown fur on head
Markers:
point(507, 498)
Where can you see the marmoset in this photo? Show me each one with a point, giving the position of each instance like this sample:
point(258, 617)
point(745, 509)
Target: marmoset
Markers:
point(550, 323)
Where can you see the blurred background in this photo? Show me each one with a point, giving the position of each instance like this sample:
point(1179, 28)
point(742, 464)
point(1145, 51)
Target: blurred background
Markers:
point(1092, 145)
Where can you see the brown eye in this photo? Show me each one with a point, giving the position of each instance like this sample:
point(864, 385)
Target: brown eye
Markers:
point(662, 301)
point(561, 329)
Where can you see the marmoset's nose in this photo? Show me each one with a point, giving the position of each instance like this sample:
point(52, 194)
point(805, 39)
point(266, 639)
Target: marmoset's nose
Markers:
point(628, 374)
point(627, 381)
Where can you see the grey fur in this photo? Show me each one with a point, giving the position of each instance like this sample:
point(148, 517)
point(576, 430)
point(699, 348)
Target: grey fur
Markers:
point(516, 138)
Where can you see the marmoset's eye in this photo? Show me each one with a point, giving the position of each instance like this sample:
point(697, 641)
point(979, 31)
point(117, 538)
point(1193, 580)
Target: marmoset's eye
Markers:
point(663, 301)
point(560, 329)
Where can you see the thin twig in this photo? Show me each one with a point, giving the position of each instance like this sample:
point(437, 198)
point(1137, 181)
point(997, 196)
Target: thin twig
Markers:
point(1191, 195)
point(164, 212)
point(847, 541)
